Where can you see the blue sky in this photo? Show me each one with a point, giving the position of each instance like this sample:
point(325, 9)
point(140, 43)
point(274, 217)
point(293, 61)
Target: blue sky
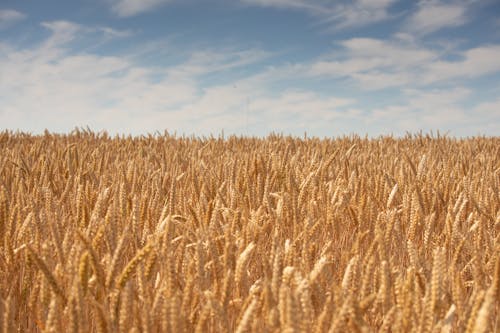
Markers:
point(251, 67)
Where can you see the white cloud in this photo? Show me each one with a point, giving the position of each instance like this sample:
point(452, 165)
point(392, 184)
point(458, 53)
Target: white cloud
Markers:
point(475, 62)
point(126, 8)
point(50, 86)
point(435, 15)
point(246, 105)
point(62, 32)
point(300, 109)
point(313, 6)
point(427, 109)
point(361, 13)
point(9, 17)
point(374, 63)
point(47, 86)
point(395, 53)
point(377, 64)
point(210, 61)
point(342, 14)
point(300, 102)
point(114, 33)
point(488, 110)
point(439, 109)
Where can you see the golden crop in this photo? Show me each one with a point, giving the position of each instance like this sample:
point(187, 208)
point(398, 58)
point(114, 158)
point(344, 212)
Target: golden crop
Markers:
point(168, 234)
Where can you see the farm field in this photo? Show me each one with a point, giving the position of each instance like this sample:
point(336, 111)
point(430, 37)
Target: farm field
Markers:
point(280, 234)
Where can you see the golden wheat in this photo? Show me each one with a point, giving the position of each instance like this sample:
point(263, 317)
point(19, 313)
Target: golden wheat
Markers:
point(181, 234)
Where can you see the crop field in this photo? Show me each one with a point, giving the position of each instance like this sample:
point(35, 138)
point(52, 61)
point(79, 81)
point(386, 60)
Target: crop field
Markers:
point(278, 234)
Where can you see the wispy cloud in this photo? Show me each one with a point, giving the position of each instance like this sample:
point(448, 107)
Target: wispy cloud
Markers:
point(126, 8)
point(9, 17)
point(55, 84)
point(475, 62)
point(440, 109)
point(340, 14)
point(300, 109)
point(314, 6)
point(210, 61)
point(360, 13)
point(435, 15)
point(377, 64)
point(111, 33)
point(489, 109)
point(49, 85)
point(62, 32)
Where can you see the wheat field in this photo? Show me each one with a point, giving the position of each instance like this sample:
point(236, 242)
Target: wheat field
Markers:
point(161, 233)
